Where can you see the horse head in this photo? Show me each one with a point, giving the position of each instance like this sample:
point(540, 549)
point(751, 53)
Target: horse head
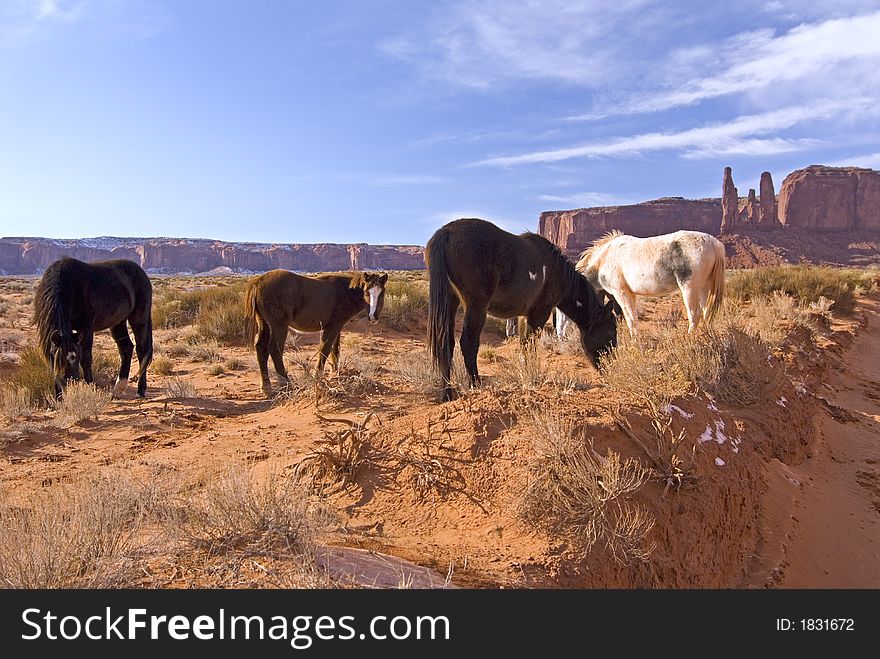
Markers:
point(596, 322)
point(66, 356)
point(372, 285)
point(601, 334)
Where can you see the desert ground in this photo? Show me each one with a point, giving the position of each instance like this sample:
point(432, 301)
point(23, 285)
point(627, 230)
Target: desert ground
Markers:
point(746, 455)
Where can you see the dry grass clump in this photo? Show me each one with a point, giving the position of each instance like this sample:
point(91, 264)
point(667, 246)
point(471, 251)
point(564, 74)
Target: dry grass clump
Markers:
point(15, 403)
point(574, 488)
point(87, 535)
point(179, 388)
point(217, 311)
point(723, 360)
point(162, 365)
point(33, 376)
point(804, 283)
point(79, 402)
point(406, 302)
point(204, 350)
point(414, 368)
point(238, 510)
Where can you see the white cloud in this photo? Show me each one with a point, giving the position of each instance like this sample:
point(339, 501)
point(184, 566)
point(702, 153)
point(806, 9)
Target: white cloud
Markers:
point(810, 58)
point(734, 136)
point(584, 199)
point(487, 43)
point(869, 160)
point(396, 180)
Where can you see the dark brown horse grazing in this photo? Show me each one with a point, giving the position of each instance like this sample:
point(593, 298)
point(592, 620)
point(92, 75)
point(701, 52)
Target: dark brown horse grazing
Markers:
point(74, 300)
point(489, 270)
point(280, 299)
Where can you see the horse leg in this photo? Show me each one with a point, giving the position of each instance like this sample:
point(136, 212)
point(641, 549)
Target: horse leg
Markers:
point(691, 300)
point(627, 303)
point(334, 354)
point(510, 328)
point(143, 336)
point(474, 319)
point(86, 342)
point(704, 300)
point(276, 347)
point(126, 348)
point(449, 349)
point(264, 337)
point(329, 336)
point(561, 321)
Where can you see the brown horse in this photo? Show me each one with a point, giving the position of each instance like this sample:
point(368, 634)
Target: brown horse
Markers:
point(74, 300)
point(280, 299)
point(489, 270)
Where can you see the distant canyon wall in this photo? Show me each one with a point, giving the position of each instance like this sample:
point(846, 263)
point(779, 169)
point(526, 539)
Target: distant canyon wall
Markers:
point(173, 256)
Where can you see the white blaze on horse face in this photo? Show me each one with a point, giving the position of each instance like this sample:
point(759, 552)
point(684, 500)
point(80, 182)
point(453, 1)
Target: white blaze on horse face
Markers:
point(578, 303)
point(71, 357)
point(533, 275)
point(544, 271)
point(374, 300)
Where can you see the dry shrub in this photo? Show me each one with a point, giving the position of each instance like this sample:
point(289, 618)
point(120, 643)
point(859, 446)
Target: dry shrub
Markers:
point(723, 360)
point(804, 283)
point(178, 349)
point(79, 402)
point(425, 470)
point(666, 449)
point(573, 488)
point(217, 369)
point(105, 367)
point(527, 370)
point(15, 403)
point(33, 376)
point(87, 535)
point(233, 363)
point(204, 350)
point(162, 365)
point(414, 368)
point(339, 456)
point(179, 388)
point(644, 371)
point(223, 320)
point(240, 511)
point(406, 302)
point(217, 311)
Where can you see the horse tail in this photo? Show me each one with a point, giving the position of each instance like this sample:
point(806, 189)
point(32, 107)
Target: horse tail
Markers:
point(51, 311)
point(148, 348)
point(439, 339)
point(715, 283)
point(253, 319)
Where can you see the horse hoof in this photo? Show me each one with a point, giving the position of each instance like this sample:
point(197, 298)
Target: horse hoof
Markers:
point(120, 387)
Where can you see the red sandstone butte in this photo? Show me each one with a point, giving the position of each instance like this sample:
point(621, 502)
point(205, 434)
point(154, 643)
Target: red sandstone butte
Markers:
point(729, 203)
point(831, 198)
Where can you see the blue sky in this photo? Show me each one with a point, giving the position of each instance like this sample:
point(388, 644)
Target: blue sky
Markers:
point(379, 121)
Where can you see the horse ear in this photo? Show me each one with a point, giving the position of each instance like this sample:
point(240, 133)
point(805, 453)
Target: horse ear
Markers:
point(55, 338)
point(609, 307)
point(384, 277)
point(79, 336)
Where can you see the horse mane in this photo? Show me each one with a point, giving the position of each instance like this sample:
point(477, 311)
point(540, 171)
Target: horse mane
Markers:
point(49, 309)
point(599, 242)
point(574, 281)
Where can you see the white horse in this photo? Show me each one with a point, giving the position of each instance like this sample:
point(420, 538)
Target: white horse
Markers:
point(625, 267)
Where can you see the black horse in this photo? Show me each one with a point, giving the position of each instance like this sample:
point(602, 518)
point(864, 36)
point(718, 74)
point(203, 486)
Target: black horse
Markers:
point(473, 262)
point(74, 300)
